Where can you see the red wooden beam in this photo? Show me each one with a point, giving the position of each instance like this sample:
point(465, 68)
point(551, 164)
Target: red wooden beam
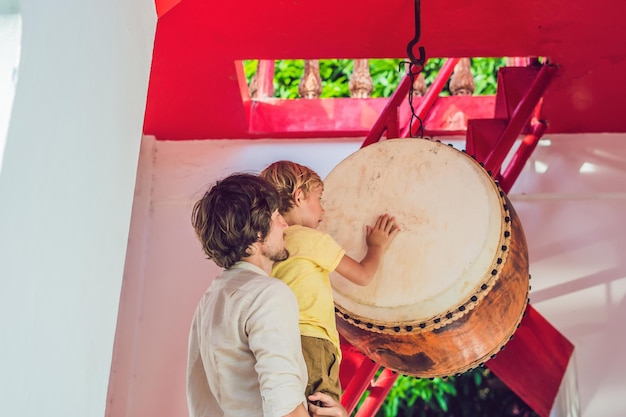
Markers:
point(345, 117)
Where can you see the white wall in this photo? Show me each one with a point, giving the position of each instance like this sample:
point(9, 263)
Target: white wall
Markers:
point(573, 217)
point(572, 221)
point(10, 37)
point(166, 270)
point(66, 191)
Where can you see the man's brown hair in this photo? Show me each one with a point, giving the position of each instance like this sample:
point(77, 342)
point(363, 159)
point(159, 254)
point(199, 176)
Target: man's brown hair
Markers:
point(232, 215)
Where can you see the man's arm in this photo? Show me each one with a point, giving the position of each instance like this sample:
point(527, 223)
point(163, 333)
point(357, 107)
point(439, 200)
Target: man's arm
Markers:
point(299, 411)
point(274, 339)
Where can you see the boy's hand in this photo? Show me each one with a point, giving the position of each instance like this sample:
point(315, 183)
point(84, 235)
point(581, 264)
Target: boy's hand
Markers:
point(382, 232)
point(328, 407)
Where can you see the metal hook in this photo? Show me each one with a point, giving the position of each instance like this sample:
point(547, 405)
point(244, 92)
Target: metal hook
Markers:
point(416, 65)
point(413, 42)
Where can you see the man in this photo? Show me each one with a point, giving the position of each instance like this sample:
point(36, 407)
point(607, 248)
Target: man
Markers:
point(245, 356)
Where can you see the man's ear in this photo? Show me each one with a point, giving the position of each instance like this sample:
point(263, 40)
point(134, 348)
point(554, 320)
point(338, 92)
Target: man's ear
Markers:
point(254, 246)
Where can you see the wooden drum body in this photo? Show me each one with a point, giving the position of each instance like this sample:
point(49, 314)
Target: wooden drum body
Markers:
point(453, 285)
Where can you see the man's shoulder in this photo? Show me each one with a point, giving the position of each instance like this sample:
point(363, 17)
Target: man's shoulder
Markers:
point(262, 291)
point(248, 280)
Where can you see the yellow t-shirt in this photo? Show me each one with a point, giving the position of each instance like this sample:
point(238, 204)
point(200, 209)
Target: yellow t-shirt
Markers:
point(313, 255)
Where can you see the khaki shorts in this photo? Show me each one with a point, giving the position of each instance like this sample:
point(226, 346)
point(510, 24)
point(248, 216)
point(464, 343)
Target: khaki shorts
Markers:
point(322, 363)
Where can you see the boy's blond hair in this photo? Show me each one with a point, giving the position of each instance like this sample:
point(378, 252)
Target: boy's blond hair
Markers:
point(289, 177)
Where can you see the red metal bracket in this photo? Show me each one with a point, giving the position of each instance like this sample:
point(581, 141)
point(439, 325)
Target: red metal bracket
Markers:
point(388, 121)
point(359, 383)
point(519, 94)
point(364, 380)
point(378, 392)
point(490, 140)
point(389, 116)
point(432, 94)
point(517, 162)
point(522, 113)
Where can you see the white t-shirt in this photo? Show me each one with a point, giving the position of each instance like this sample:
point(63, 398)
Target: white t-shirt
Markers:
point(245, 357)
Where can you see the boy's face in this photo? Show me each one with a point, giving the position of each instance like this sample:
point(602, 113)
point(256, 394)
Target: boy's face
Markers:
point(311, 208)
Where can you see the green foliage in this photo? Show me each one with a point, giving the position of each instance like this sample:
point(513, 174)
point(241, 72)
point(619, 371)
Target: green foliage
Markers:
point(485, 72)
point(413, 397)
point(335, 75)
point(287, 75)
point(477, 393)
point(386, 75)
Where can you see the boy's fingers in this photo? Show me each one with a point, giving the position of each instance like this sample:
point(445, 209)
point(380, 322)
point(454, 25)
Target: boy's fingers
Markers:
point(383, 221)
point(379, 221)
point(389, 223)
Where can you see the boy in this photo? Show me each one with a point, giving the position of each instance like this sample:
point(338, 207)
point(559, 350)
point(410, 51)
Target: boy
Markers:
point(313, 256)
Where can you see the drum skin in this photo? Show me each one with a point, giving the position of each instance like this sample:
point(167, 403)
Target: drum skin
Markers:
point(463, 344)
point(462, 335)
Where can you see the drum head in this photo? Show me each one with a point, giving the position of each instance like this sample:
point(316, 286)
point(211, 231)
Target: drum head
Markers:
point(450, 213)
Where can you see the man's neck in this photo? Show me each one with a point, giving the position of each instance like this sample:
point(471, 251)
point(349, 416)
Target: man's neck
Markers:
point(261, 261)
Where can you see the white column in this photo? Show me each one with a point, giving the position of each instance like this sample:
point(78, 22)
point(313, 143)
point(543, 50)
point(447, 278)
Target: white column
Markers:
point(66, 192)
point(10, 35)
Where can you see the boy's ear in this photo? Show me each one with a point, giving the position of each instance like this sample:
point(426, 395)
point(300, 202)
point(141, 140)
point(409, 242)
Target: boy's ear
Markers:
point(298, 197)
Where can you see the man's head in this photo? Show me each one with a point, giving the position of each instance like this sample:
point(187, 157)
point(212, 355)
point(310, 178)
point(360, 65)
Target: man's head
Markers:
point(233, 215)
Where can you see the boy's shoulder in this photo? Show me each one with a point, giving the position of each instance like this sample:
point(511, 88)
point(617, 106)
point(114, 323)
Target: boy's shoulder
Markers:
point(302, 240)
point(298, 231)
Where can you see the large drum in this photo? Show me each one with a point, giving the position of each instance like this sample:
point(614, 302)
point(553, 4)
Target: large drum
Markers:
point(453, 285)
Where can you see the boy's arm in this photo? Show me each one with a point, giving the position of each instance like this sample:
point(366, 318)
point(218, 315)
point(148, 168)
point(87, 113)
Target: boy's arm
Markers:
point(377, 238)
